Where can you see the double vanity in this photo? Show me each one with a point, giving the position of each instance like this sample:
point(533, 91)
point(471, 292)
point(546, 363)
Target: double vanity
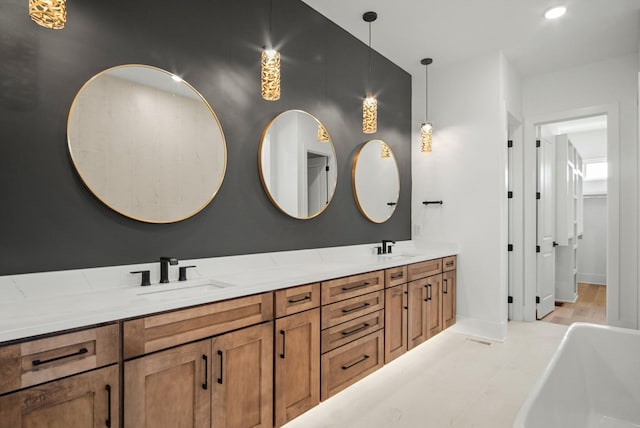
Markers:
point(262, 341)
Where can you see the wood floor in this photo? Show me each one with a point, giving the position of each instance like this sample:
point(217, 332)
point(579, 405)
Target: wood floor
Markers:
point(590, 307)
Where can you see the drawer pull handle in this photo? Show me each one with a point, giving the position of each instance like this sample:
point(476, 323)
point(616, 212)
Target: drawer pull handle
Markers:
point(221, 368)
point(397, 276)
point(282, 332)
point(205, 385)
point(355, 287)
point(357, 308)
point(50, 360)
point(355, 330)
point(302, 299)
point(449, 263)
point(445, 288)
point(364, 358)
point(108, 421)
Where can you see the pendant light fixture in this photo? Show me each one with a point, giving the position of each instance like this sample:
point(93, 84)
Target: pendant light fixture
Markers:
point(270, 73)
point(49, 13)
point(369, 104)
point(426, 129)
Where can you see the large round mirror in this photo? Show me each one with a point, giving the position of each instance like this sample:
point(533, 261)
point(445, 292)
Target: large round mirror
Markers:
point(146, 143)
point(297, 164)
point(376, 181)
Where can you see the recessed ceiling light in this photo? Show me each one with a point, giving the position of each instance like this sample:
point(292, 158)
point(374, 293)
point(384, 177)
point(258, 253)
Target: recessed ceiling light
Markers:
point(555, 12)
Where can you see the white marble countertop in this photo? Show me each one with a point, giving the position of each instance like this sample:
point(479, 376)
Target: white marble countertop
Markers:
point(48, 302)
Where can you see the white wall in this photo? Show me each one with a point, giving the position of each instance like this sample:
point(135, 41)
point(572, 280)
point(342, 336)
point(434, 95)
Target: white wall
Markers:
point(612, 81)
point(592, 255)
point(467, 171)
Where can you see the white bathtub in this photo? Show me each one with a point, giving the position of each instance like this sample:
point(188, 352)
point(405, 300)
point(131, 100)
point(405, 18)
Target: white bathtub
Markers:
point(593, 380)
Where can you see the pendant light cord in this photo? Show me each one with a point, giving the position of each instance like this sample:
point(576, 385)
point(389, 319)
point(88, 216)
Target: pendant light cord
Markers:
point(270, 22)
point(369, 59)
point(426, 96)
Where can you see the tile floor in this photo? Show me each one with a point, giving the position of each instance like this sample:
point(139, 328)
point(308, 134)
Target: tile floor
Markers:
point(449, 381)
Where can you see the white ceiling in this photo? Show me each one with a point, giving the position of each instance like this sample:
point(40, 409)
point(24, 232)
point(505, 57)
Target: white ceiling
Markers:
point(453, 30)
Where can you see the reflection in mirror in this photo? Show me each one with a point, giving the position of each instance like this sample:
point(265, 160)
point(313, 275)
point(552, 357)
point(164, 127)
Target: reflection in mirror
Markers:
point(376, 181)
point(297, 163)
point(146, 143)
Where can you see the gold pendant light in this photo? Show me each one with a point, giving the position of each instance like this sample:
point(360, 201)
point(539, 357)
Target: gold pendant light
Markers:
point(49, 13)
point(270, 74)
point(385, 151)
point(426, 129)
point(369, 104)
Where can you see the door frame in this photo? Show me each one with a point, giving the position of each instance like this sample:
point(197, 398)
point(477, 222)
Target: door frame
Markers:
point(613, 206)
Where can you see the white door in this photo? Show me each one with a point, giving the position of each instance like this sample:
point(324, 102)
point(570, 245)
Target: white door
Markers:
point(317, 177)
point(546, 227)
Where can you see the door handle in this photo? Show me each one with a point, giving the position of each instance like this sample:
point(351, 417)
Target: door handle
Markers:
point(108, 421)
point(555, 244)
point(220, 354)
point(282, 332)
point(205, 385)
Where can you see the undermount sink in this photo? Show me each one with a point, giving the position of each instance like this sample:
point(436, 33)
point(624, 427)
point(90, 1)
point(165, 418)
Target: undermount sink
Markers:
point(397, 256)
point(183, 289)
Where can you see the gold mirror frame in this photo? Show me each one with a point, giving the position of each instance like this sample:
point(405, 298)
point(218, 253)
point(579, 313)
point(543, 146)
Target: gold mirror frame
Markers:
point(319, 134)
point(379, 151)
point(186, 205)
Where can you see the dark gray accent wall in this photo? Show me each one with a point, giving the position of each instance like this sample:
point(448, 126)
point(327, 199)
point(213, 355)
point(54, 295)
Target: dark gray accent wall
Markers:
point(50, 221)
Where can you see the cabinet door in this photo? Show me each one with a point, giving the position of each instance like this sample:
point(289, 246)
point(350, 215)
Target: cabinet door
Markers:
point(449, 299)
point(81, 401)
point(243, 378)
point(170, 388)
point(434, 305)
point(297, 361)
point(417, 316)
point(395, 322)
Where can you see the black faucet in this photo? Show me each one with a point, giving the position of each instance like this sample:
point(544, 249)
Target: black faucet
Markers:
point(164, 268)
point(385, 249)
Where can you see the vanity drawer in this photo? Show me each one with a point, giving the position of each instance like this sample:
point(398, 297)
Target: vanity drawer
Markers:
point(449, 263)
point(297, 299)
point(43, 360)
point(395, 276)
point(350, 309)
point(425, 269)
point(342, 334)
point(351, 286)
point(349, 363)
point(156, 332)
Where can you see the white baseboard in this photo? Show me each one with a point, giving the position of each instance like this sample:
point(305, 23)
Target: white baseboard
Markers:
point(592, 278)
point(481, 328)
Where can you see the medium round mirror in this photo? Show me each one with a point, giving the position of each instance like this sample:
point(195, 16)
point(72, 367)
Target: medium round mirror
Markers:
point(146, 143)
point(297, 163)
point(376, 181)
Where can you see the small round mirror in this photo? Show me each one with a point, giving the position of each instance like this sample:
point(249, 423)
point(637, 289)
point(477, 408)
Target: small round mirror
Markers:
point(146, 143)
point(297, 163)
point(376, 181)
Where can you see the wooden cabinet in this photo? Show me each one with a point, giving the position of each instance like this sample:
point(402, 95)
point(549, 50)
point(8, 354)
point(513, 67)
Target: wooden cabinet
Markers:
point(395, 322)
point(297, 299)
point(170, 388)
point(42, 360)
point(417, 330)
point(349, 363)
point(57, 381)
point(352, 330)
point(242, 370)
point(297, 364)
point(89, 399)
point(162, 331)
point(448, 299)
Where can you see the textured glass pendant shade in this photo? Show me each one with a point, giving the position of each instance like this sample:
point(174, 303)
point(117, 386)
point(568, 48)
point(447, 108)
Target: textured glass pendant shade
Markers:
point(48, 13)
point(426, 132)
point(385, 151)
point(323, 135)
point(270, 75)
point(369, 115)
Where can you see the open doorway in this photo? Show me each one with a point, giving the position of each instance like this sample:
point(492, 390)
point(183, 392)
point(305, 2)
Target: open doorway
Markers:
point(611, 245)
point(317, 182)
point(571, 222)
point(580, 273)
